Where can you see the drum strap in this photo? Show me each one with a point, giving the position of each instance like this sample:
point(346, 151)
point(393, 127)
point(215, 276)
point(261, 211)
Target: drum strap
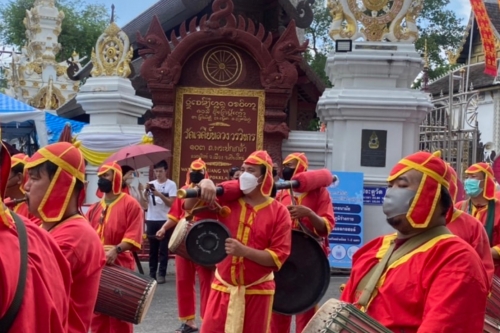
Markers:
point(490, 217)
point(10, 315)
point(236, 306)
point(371, 279)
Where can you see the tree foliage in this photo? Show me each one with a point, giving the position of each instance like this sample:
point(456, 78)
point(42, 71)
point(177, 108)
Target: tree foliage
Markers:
point(440, 26)
point(81, 27)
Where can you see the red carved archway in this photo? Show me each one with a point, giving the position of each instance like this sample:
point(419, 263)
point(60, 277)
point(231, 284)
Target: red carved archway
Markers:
point(165, 59)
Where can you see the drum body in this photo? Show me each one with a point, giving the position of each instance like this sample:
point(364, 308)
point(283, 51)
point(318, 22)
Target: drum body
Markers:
point(339, 317)
point(490, 325)
point(205, 242)
point(303, 278)
point(124, 294)
point(493, 303)
point(177, 243)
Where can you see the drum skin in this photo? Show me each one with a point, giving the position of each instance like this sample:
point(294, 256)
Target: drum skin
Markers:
point(303, 279)
point(205, 242)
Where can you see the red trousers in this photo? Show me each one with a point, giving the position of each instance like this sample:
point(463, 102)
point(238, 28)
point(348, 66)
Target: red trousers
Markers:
point(281, 323)
point(105, 324)
point(257, 313)
point(185, 271)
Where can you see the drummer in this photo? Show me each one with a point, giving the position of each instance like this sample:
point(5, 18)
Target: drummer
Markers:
point(315, 210)
point(469, 228)
point(434, 281)
point(119, 221)
point(15, 186)
point(242, 292)
point(482, 204)
point(185, 270)
point(55, 195)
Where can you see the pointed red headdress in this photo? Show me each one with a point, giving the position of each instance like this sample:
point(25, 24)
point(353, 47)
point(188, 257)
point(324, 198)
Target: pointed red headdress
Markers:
point(261, 157)
point(196, 165)
point(117, 175)
point(489, 179)
point(302, 162)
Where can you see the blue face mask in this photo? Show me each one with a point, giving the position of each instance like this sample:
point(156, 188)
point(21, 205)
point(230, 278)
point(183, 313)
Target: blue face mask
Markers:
point(472, 188)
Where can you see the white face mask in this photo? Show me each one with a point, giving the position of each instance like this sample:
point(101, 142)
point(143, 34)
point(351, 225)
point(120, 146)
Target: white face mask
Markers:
point(248, 182)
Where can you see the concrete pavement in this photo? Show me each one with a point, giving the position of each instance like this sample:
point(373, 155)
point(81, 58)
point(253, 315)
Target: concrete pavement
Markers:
point(162, 315)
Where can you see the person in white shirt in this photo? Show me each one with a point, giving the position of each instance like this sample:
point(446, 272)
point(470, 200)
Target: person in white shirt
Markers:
point(160, 194)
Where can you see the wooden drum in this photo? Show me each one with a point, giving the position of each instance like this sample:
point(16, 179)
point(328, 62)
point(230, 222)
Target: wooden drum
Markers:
point(177, 243)
point(124, 294)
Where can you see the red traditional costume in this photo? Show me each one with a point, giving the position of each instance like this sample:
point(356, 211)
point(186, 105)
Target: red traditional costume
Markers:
point(321, 203)
point(481, 213)
point(185, 270)
point(439, 286)
point(469, 228)
point(119, 221)
point(22, 207)
point(74, 235)
point(242, 292)
point(44, 307)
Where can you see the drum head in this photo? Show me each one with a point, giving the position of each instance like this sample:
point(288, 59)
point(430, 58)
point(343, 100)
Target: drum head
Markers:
point(178, 235)
point(303, 278)
point(205, 242)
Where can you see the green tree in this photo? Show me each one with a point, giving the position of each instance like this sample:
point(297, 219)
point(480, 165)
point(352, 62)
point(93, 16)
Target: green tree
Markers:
point(81, 27)
point(440, 26)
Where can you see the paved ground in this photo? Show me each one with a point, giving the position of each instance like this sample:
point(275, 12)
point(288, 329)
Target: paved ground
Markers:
point(162, 316)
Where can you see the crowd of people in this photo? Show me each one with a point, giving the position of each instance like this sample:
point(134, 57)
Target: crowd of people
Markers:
point(434, 274)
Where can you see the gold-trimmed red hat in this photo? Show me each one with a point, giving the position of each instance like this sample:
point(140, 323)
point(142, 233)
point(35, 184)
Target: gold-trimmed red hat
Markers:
point(5, 161)
point(196, 165)
point(302, 162)
point(261, 157)
point(434, 176)
point(117, 175)
point(15, 161)
point(71, 167)
point(489, 178)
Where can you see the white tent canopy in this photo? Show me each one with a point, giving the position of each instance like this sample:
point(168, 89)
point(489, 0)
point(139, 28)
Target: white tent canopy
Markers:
point(17, 117)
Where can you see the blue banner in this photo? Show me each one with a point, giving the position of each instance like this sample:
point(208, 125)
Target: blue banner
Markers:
point(347, 237)
point(374, 195)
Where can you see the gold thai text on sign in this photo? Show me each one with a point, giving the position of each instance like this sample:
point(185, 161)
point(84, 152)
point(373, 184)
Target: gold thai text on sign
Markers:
point(220, 126)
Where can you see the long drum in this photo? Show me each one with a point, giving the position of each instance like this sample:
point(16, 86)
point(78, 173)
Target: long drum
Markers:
point(493, 303)
point(339, 317)
point(303, 278)
point(177, 243)
point(124, 294)
point(491, 325)
point(205, 242)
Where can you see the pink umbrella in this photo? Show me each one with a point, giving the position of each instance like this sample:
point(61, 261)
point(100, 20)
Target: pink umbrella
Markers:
point(140, 156)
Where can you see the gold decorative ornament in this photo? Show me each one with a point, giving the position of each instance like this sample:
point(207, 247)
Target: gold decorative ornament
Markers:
point(381, 20)
point(222, 66)
point(374, 143)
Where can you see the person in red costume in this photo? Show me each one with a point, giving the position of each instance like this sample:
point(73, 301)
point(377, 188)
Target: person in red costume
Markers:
point(315, 211)
point(45, 300)
point(422, 278)
point(119, 221)
point(186, 270)
point(15, 187)
point(470, 229)
point(242, 291)
point(55, 195)
point(483, 205)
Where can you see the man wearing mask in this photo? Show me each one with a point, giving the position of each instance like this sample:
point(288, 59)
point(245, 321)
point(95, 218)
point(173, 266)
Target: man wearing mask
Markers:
point(422, 278)
point(45, 301)
point(119, 221)
point(160, 194)
point(467, 227)
point(482, 204)
point(315, 211)
point(276, 176)
point(186, 270)
point(55, 195)
point(15, 187)
point(241, 297)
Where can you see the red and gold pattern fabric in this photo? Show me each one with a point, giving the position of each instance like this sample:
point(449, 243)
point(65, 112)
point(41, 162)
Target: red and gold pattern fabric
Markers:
point(15, 161)
point(487, 36)
point(197, 165)
point(71, 167)
point(453, 182)
point(5, 162)
point(489, 178)
point(117, 175)
point(448, 283)
point(434, 171)
point(261, 157)
point(302, 162)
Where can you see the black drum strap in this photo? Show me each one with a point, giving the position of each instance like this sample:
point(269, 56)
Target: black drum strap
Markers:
point(11, 314)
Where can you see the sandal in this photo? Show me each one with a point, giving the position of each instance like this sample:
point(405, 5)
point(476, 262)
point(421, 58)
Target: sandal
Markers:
point(185, 328)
